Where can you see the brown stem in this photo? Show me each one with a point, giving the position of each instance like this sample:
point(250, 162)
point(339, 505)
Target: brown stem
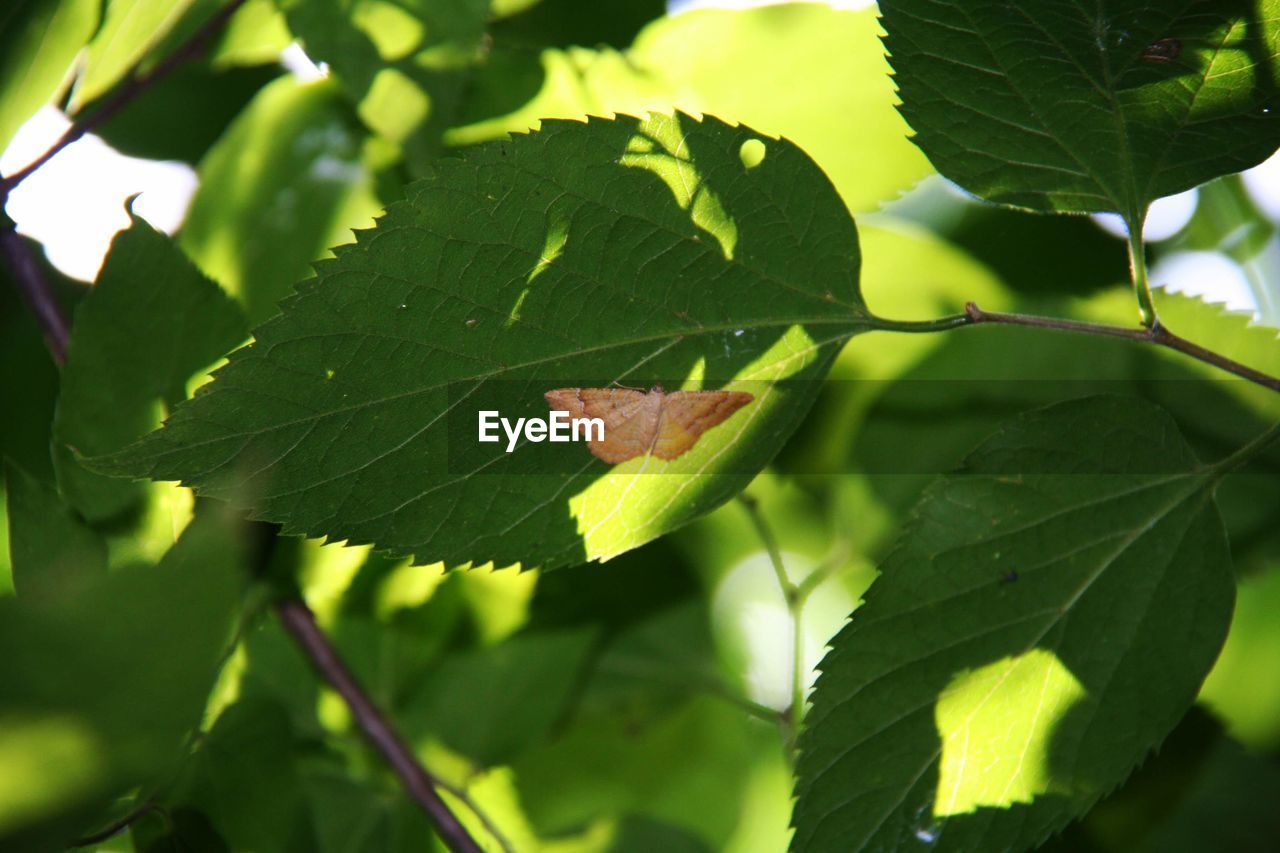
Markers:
point(35, 290)
point(1158, 335)
point(421, 785)
point(135, 84)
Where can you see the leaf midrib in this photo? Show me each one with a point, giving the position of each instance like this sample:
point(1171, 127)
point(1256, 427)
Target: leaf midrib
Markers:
point(1198, 482)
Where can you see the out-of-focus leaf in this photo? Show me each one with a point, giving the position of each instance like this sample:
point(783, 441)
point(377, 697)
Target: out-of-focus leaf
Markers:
point(1231, 807)
point(1240, 689)
point(1062, 107)
point(28, 391)
point(642, 835)
point(815, 75)
point(562, 23)
point(130, 29)
point(103, 684)
point(245, 778)
point(750, 620)
point(39, 39)
point(255, 35)
point(1046, 618)
point(620, 250)
point(405, 64)
point(691, 768)
point(163, 125)
point(150, 323)
point(287, 180)
point(768, 68)
point(491, 704)
point(178, 830)
point(53, 552)
point(1072, 256)
point(907, 273)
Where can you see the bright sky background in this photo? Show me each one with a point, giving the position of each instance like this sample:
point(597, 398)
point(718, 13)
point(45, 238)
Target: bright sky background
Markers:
point(99, 179)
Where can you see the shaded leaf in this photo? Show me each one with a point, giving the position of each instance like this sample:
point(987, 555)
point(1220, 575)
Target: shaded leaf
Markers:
point(104, 683)
point(493, 703)
point(1045, 620)
point(150, 322)
point(546, 23)
point(1063, 106)
point(691, 768)
point(52, 552)
point(624, 251)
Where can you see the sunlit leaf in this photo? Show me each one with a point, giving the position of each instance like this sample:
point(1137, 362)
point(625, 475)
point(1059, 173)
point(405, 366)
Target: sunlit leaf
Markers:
point(768, 68)
point(623, 251)
point(405, 64)
point(287, 180)
point(39, 39)
point(130, 29)
point(150, 322)
point(1046, 618)
point(1065, 106)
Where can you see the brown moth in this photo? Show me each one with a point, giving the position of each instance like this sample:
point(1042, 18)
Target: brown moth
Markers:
point(639, 422)
point(1163, 51)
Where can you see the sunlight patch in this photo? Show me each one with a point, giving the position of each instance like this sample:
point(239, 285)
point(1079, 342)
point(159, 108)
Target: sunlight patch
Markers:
point(997, 724)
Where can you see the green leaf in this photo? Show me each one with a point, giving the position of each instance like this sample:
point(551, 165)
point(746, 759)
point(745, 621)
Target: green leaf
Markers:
point(104, 683)
point(150, 323)
point(493, 703)
point(621, 251)
point(405, 65)
point(542, 23)
point(39, 39)
point(1047, 617)
point(1063, 106)
point(52, 551)
point(692, 768)
point(762, 73)
point(286, 181)
point(767, 70)
point(130, 29)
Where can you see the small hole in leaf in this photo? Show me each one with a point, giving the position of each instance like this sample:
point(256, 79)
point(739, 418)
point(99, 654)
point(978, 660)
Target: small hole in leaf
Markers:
point(752, 153)
point(328, 373)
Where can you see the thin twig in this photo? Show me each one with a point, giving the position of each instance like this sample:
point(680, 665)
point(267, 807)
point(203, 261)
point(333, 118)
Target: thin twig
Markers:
point(1157, 335)
point(116, 827)
point(420, 785)
point(135, 84)
point(35, 290)
point(795, 608)
point(462, 796)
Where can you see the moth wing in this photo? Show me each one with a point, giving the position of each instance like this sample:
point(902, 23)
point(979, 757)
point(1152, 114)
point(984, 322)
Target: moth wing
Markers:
point(629, 418)
point(686, 415)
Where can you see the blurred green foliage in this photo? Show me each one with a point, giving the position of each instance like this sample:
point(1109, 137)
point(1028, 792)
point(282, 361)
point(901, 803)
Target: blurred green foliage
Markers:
point(631, 706)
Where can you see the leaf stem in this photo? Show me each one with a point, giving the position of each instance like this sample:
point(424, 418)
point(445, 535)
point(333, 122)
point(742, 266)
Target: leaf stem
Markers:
point(794, 598)
point(1157, 335)
point(1246, 453)
point(135, 84)
point(34, 290)
point(116, 827)
point(942, 324)
point(420, 785)
point(1138, 272)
